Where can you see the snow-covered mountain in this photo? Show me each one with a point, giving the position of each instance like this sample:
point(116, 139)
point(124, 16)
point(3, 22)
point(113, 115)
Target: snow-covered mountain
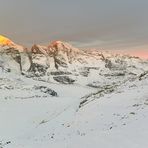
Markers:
point(13, 57)
point(61, 62)
point(61, 96)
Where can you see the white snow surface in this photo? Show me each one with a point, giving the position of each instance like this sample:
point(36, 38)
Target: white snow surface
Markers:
point(31, 119)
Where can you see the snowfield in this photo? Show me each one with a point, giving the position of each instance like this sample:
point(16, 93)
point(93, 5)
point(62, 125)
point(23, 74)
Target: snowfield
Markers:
point(118, 119)
point(61, 97)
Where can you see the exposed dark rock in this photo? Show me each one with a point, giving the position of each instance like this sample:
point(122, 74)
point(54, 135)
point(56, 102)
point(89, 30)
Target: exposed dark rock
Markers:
point(108, 64)
point(15, 54)
point(3, 144)
point(115, 74)
point(60, 73)
point(143, 75)
point(60, 62)
point(84, 73)
point(38, 70)
point(64, 79)
point(46, 90)
point(107, 89)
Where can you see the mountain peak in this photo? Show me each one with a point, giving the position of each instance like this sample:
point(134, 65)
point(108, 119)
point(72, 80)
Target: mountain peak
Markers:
point(5, 41)
point(63, 46)
point(57, 42)
point(60, 44)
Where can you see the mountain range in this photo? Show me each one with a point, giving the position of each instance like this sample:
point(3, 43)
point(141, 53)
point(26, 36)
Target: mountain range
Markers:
point(64, 63)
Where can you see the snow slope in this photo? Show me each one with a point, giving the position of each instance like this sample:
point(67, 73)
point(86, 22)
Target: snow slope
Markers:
point(117, 119)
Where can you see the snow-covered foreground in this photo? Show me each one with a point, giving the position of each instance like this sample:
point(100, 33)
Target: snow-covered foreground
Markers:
point(32, 119)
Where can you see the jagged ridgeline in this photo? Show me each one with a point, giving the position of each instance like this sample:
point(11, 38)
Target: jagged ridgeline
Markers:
point(63, 63)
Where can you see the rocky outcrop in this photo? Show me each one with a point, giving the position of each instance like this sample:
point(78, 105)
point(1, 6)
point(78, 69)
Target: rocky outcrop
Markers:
point(64, 79)
point(46, 90)
point(144, 75)
point(14, 59)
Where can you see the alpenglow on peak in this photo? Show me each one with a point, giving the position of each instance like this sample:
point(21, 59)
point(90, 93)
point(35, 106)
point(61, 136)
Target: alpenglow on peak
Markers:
point(5, 41)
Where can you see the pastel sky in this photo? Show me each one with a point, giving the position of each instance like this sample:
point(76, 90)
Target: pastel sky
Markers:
point(105, 24)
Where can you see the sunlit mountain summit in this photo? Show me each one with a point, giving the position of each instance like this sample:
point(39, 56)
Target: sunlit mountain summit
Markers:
point(5, 41)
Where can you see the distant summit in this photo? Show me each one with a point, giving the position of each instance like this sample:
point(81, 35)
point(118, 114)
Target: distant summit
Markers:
point(5, 41)
point(63, 46)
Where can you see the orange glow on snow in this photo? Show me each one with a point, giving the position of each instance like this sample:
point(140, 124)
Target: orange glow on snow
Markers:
point(5, 41)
